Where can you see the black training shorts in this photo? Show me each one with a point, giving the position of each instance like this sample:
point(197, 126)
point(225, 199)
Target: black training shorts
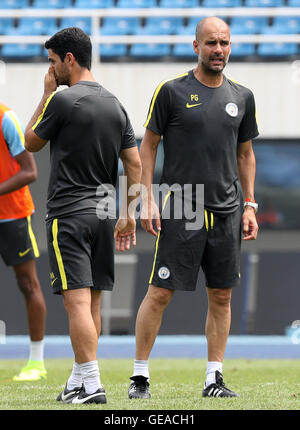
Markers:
point(17, 241)
point(215, 247)
point(81, 252)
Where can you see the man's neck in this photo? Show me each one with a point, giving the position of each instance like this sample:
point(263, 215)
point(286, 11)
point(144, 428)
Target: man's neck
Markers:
point(212, 80)
point(82, 75)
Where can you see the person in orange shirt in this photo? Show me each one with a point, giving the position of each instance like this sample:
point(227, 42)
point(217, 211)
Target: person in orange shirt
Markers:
point(18, 246)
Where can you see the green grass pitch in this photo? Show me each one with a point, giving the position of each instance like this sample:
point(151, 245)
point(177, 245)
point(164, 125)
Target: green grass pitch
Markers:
point(176, 384)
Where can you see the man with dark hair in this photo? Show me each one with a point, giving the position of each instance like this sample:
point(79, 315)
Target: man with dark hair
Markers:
point(207, 122)
point(18, 245)
point(88, 130)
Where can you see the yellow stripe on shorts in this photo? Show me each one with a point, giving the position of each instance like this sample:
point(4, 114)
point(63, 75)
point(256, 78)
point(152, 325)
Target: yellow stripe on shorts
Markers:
point(32, 238)
point(58, 255)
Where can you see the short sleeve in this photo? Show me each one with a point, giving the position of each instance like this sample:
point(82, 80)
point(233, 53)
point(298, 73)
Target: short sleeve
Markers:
point(159, 110)
point(50, 120)
point(248, 128)
point(129, 140)
point(13, 133)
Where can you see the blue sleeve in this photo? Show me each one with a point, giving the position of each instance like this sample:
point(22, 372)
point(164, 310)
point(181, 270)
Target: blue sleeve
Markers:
point(13, 133)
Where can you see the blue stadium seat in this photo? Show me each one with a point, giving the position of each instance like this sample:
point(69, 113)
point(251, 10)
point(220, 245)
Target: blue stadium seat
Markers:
point(6, 24)
point(190, 28)
point(293, 3)
point(14, 4)
point(51, 4)
point(242, 49)
point(264, 3)
point(112, 50)
point(85, 23)
point(20, 50)
point(277, 49)
point(129, 4)
point(150, 50)
point(183, 50)
point(93, 4)
point(178, 3)
point(160, 25)
point(251, 25)
point(221, 3)
point(119, 26)
point(33, 26)
point(285, 25)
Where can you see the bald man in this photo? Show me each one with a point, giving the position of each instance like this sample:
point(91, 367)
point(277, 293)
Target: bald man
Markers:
point(207, 122)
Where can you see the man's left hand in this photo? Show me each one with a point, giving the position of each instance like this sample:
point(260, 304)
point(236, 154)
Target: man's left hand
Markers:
point(250, 226)
point(125, 234)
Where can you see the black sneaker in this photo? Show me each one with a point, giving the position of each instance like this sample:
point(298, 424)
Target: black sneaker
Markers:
point(139, 388)
point(98, 396)
point(218, 389)
point(66, 396)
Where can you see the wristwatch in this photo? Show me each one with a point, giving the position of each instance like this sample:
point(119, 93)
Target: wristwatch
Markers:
point(249, 202)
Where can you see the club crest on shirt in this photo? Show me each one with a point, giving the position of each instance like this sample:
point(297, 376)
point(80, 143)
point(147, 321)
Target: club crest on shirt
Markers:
point(164, 273)
point(232, 109)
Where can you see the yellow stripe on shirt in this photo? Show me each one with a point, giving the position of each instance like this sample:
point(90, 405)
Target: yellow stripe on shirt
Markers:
point(156, 94)
point(44, 109)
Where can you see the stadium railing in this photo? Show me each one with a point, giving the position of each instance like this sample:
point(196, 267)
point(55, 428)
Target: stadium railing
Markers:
point(97, 16)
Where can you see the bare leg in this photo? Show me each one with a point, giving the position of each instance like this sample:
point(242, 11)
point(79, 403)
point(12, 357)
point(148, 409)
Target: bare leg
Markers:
point(29, 285)
point(96, 298)
point(83, 333)
point(149, 319)
point(218, 322)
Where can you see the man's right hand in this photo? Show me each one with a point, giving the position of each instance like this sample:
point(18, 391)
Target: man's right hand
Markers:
point(150, 213)
point(50, 83)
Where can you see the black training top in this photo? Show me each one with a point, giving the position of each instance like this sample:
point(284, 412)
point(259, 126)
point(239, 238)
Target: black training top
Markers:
point(87, 128)
point(201, 128)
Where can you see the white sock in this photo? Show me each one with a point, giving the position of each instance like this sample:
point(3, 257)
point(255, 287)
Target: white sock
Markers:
point(75, 379)
point(141, 367)
point(211, 368)
point(90, 376)
point(36, 350)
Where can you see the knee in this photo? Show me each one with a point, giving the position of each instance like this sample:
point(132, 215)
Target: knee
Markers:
point(159, 297)
point(220, 297)
point(27, 283)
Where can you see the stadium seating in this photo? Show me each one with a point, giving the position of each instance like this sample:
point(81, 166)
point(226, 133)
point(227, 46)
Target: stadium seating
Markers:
point(178, 3)
point(112, 50)
point(242, 49)
point(129, 4)
point(85, 23)
point(160, 25)
point(119, 26)
point(93, 4)
point(283, 25)
point(277, 49)
point(6, 24)
point(14, 4)
point(264, 3)
point(293, 3)
point(51, 4)
point(20, 50)
point(183, 50)
point(33, 26)
point(150, 50)
point(248, 25)
point(221, 3)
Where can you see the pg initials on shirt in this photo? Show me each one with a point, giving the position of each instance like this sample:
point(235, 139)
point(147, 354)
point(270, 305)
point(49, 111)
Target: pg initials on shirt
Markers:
point(194, 97)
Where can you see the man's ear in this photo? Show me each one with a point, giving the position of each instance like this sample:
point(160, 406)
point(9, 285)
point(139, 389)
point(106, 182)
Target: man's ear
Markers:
point(69, 58)
point(196, 46)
